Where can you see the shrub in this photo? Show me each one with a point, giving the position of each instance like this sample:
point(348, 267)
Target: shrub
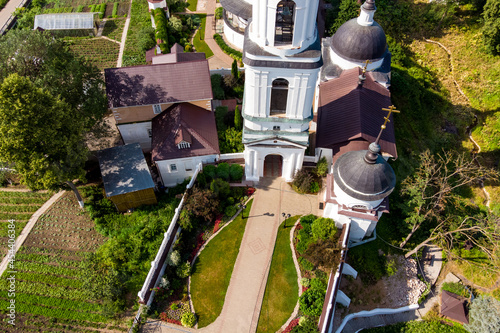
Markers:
point(238, 120)
point(236, 172)
point(325, 254)
point(305, 282)
point(164, 283)
point(491, 28)
point(79, 9)
point(230, 211)
point(220, 188)
point(203, 203)
point(306, 264)
point(223, 171)
point(311, 302)
point(302, 181)
point(102, 9)
point(230, 141)
point(323, 228)
point(318, 284)
point(484, 315)
point(322, 167)
point(188, 319)
point(218, 13)
point(228, 50)
point(183, 270)
point(146, 38)
point(209, 172)
point(186, 220)
point(174, 259)
point(220, 114)
point(314, 187)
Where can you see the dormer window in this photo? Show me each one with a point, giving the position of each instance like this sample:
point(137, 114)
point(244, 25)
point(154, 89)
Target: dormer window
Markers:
point(183, 144)
point(157, 108)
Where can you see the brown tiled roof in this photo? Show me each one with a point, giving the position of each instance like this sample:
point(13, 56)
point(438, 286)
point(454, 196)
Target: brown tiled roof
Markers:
point(349, 113)
point(197, 122)
point(182, 134)
point(174, 57)
point(453, 307)
point(154, 84)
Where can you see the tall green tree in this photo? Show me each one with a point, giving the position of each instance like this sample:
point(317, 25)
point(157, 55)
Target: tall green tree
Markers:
point(238, 120)
point(49, 101)
point(491, 29)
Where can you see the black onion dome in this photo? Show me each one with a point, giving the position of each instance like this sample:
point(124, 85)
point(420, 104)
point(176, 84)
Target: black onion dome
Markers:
point(363, 180)
point(356, 42)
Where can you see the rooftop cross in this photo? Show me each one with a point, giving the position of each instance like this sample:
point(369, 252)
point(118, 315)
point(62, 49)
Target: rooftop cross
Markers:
point(391, 109)
point(374, 148)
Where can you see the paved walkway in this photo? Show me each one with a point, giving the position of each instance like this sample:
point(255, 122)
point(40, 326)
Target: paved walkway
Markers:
point(124, 37)
point(219, 59)
point(241, 309)
point(7, 11)
point(31, 223)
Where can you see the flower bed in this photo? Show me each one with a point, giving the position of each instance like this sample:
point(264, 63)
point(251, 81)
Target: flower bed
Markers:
point(290, 326)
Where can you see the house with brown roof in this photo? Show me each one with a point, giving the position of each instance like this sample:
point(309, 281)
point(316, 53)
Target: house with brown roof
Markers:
point(137, 94)
point(184, 135)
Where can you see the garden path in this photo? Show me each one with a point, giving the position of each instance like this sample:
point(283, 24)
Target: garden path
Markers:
point(241, 309)
point(124, 37)
point(8, 10)
point(219, 59)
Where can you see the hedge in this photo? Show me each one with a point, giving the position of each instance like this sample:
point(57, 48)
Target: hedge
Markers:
point(228, 50)
point(115, 10)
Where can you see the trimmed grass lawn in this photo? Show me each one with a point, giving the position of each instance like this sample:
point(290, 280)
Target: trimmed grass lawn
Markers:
point(213, 268)
point(198, 40)
point(192, 5)
point(282, 291)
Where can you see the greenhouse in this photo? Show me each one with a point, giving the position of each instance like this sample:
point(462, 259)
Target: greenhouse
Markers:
point(80, 23)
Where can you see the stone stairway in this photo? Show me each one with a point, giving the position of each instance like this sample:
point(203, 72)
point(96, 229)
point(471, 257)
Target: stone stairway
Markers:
point(356, 324)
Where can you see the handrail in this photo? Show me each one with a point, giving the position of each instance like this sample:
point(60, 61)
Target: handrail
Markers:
point(12, 18)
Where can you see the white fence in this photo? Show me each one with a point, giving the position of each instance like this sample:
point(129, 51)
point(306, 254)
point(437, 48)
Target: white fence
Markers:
point(233, 156)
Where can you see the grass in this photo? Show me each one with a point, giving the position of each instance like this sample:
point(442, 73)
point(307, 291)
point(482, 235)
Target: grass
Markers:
point(114, 29)
point(133, 55)
point(212, 271)
point(198, 40)
point(192, 5)
point(281, 293)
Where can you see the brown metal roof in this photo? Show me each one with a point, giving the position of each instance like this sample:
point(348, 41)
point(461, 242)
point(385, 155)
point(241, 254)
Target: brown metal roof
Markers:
point(197, 122)
point(174, 57)
point(453, 307)
point(154, 84)
point(349, 113)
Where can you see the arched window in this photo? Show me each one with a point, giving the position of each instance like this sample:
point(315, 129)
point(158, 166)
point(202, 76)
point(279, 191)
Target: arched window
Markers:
point(284, 22)
point(279, 94)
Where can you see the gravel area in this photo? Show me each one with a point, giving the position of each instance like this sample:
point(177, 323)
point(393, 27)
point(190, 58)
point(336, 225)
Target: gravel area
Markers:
point(404, 287)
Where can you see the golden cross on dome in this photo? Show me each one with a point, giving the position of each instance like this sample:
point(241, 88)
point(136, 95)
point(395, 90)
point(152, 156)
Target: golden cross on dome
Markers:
point(366, 65)
point(391, 109)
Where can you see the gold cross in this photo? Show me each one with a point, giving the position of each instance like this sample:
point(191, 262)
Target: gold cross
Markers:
point(366, 65)
point(391, 109)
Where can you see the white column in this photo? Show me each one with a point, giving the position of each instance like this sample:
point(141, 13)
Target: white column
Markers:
point(342, 299)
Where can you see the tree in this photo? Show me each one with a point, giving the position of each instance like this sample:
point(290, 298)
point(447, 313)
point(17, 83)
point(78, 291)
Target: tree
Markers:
point(348, 9)
point(238, 120)
point(234, 70)
point(491, 28)
point(484, 315)
point(430, 192)
point(49, 101)
point(203, 203)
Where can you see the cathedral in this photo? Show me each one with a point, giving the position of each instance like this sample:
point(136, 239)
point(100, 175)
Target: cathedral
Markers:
point(310, 97)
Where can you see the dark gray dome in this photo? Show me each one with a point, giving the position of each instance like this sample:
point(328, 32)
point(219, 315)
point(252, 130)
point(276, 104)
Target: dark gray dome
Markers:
point(363, 180)
point(355, 42)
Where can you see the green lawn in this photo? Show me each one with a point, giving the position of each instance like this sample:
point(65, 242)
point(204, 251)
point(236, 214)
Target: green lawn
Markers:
point(133, 55)
point(198, 40)
point(282, 292)
point(213, 268)
point(192, 5)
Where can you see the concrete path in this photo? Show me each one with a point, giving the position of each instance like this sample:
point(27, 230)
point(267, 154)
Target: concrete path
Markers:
point(219, 59)
point(124, 37)
point(8, 10)
point(31, 223)
point(243, 301)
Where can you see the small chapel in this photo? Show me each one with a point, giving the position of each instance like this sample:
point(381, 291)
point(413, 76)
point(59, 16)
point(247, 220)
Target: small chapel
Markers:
point(328, 97)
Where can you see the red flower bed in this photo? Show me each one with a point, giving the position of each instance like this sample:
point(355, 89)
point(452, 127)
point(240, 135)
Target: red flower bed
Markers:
point(199, 243)
point(163, 316)
point(217, 223)
point(290, 326)
point(304, 289)
point(250, 191)
point(299, 226)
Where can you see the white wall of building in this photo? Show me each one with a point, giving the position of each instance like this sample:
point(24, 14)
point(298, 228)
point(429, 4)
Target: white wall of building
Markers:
point(293, 156)
point(301, 88)
point(137, 132)
point(174, 171)
point(345, 199)
point(161, 4)
point(360, 228)
point(262, 28)
point(347, 64)
point(234, 38)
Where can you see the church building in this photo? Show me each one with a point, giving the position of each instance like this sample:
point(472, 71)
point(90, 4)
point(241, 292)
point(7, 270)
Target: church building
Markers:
point(324, 96)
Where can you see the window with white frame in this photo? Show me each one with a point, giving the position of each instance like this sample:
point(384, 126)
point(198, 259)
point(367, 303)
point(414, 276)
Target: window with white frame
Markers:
point(183, 144)
point(173, 167)
point(157, 108)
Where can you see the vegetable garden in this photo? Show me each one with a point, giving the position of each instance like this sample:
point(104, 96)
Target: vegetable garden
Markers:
point(18, 206)
point(100, 52)
point(50, 294)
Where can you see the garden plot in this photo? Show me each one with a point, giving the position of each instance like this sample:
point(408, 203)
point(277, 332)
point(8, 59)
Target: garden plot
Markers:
point(18, 206)
point(100, 52)
point(49, 292)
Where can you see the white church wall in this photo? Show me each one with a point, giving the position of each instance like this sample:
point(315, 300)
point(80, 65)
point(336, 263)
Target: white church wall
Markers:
point(137, 132)
point(347, 64)
point(234, 38)
point(360, 228)
point(349, 201)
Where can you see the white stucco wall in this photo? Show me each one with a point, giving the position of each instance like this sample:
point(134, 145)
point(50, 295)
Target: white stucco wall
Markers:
point(234, 38)
point(360, 228)
point(185, 168)
point(262, 28)
point(153, 6)
point(136, 132)
point(345, 199)
point(293, 156)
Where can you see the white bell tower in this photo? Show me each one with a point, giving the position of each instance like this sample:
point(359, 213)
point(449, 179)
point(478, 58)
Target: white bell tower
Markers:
point(282, 57)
